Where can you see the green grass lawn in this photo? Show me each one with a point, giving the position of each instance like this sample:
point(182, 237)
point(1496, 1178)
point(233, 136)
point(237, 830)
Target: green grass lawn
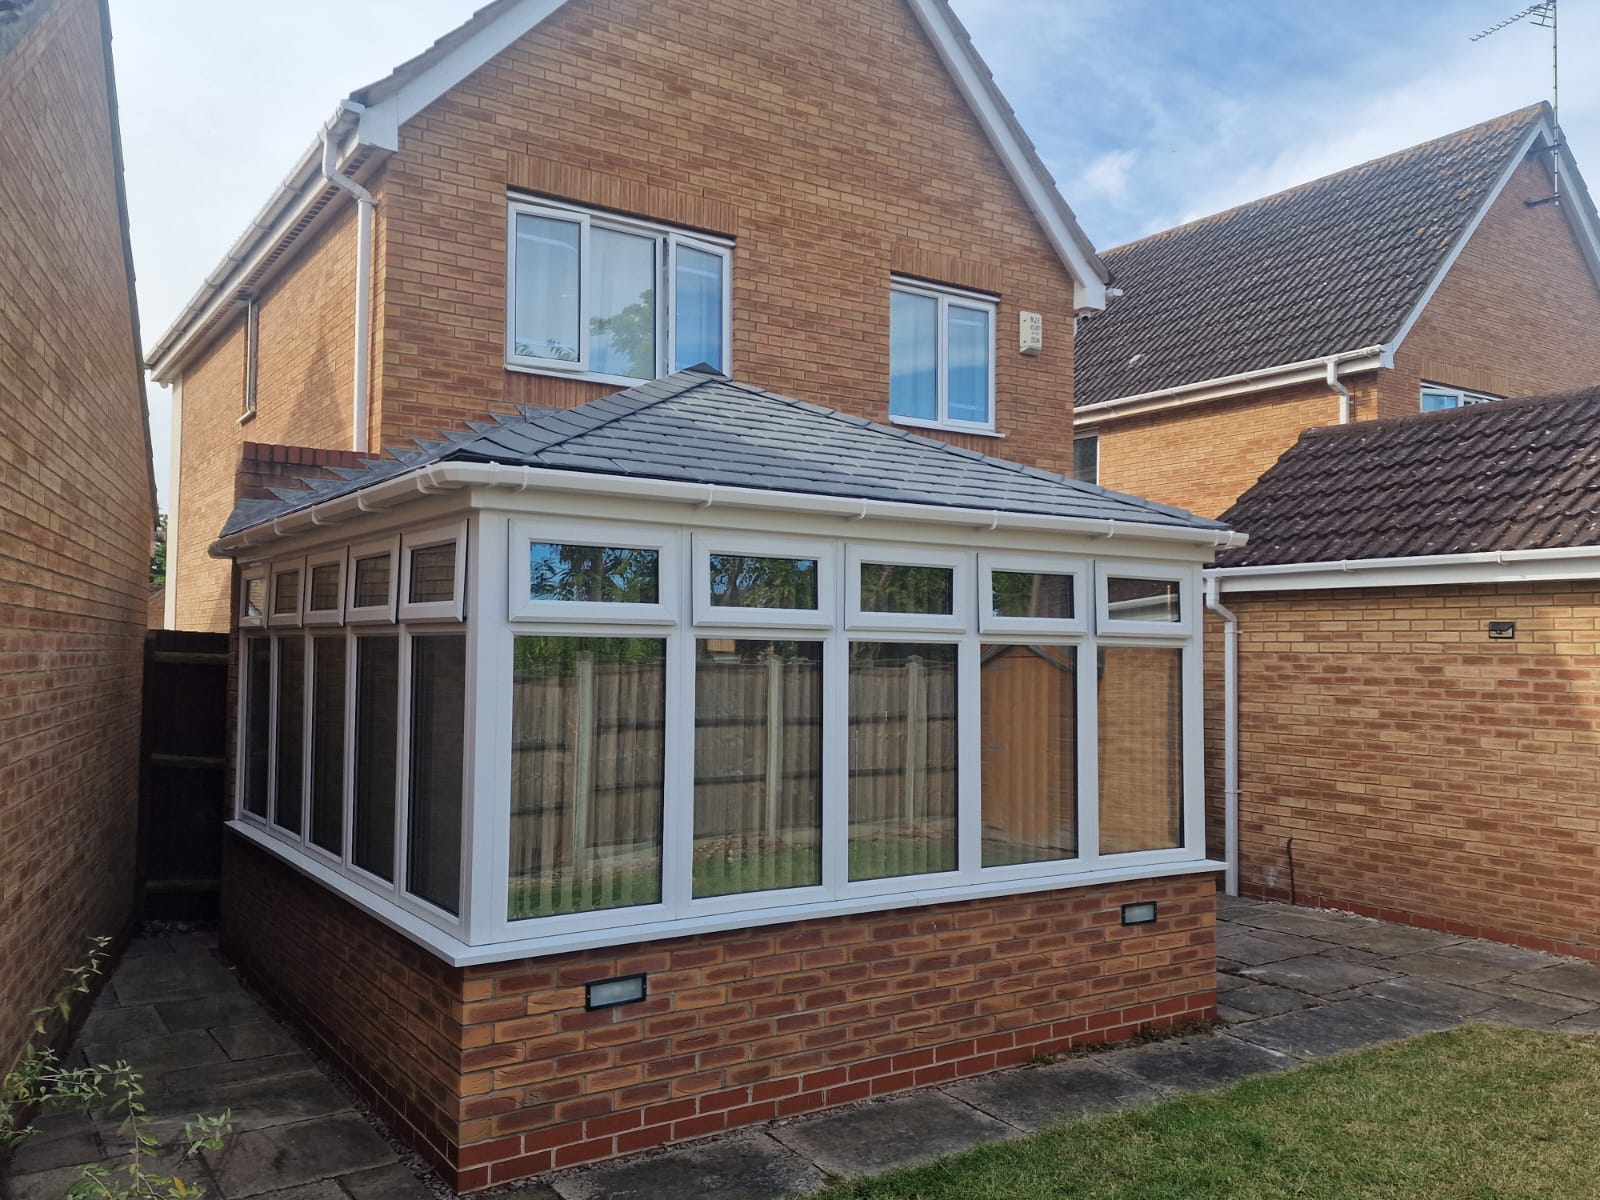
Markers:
point(1477, 1113)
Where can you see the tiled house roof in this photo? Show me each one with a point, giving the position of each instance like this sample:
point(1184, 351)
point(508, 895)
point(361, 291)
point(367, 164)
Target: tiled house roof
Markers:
point(700, 427)
point(1513, 475)
point(1330, 266)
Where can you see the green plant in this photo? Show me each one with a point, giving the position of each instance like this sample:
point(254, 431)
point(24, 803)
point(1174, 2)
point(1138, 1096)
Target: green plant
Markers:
point(40, 1081)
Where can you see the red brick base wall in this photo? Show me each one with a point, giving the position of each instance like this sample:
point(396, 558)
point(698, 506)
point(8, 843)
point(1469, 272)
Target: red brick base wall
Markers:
point(498, 1072)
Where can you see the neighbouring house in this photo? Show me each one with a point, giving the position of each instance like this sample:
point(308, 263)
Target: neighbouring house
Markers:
point(1443, 275)
point(1418, 625)
point(77, 509)
point(694, 724)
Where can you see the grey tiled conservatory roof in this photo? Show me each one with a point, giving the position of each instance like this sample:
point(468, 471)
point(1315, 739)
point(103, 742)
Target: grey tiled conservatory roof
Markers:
point(700, 427)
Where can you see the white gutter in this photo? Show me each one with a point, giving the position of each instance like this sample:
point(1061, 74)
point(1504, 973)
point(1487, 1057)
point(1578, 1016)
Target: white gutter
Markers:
point(1368, 358)
point(451, 475)
point(1230, 735)
point(1489, 566)
point(363, 329)
point(1345, 406)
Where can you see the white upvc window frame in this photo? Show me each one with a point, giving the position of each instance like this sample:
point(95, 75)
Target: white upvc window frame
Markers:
point(1108, 624)
point(668, 240)
point(495, 547)
point(949, 297)
point(280, 567)
point(823, 617)
point(257, 572)
point(324, 616)
point(1463, 397)
point(610, 535)
point(384, 613)
point(959, 562)
point(453, 534)
point(1032, 628)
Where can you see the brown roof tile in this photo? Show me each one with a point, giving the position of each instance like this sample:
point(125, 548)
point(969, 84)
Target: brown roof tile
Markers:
point(1512, 475)
point(1329, 266)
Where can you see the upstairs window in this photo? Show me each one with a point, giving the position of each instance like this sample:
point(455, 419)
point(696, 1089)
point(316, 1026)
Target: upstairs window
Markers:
point(1436, 397)
point(612, 299)
point(941, 357)
point(1086, 458)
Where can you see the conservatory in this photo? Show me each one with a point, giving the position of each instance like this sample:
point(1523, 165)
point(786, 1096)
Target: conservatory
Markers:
point(696, 660)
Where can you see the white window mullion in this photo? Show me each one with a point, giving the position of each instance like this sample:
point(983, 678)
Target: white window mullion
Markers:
point(1193, 747)
point(1089, 754)
point(308, 705)
point(349, 772)
point(969, 758)
point(836, 761)
point(677, 790)
point(486, 800)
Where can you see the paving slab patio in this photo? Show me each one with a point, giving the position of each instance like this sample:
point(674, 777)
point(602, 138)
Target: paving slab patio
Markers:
point(1293, 985)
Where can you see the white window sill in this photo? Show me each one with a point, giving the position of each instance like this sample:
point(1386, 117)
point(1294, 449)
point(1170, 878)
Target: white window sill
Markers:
point(975, 430)
point(460, 954)
point(549, 372)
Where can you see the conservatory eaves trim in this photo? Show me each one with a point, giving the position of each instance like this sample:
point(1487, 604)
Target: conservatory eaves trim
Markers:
point(447, 476)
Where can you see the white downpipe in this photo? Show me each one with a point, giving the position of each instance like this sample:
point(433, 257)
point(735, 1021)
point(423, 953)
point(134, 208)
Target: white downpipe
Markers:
point(1345, 404)
point(1230, 734)
point(363, 338)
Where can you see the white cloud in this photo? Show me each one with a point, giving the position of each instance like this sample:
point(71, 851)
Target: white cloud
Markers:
point(1108, 175)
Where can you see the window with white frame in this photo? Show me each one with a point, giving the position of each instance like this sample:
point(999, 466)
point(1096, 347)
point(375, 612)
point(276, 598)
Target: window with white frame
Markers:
point(1437, 396)
point(941, 356)
point(613, 298)
point(691, 727)
point(1086, 458)
point(352, 737)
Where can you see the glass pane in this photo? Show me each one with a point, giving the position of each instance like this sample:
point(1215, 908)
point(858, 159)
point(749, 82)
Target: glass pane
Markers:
point(1086, 459)
point(1142, 599)
point(622, 304)
point(913, 356)
point(255, 597)
point(545, 317)
point(1037, 594)
point(433, 574)
point(968, 345)
point(258, 721)
point(1141, 748)
point(595, 574)
point(377, 744)
point(324, 588)
point(749, 581)
point(1030, 754)
point(902, 759)
point(372, 581)
point(286, 592)
point(697, 291)
point(588, 720)
point(1434, 401)
point(897, 588)
point(438, 729)
point(327, 743)
point(757, 766)
point(289, 789)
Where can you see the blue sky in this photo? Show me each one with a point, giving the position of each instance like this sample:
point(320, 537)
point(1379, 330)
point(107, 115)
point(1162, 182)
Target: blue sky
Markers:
point(1148, 112)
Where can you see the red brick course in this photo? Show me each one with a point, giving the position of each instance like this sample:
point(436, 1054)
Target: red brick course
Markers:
point(500, 1073)
point(75, 518)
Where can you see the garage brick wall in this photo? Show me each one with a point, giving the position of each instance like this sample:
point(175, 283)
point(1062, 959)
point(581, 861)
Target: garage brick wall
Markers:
point(75, 517)
point(1425, 773)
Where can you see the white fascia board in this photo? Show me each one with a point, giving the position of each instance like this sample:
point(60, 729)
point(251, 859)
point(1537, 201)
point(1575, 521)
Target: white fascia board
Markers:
point(458, 953)
point(299, 191)
point(1494, 566)
point(1541, 129)
point(1311, 370)
point(1578, 205)
point(1089, 290)
point(380, 123)
point(437, 477)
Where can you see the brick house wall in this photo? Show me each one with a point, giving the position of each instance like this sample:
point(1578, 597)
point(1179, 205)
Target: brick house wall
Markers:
point(305, 355)
point(76, 520)
point(1518, 314)
point(1426, 774)
point(497, 1072)
point(865, 161)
